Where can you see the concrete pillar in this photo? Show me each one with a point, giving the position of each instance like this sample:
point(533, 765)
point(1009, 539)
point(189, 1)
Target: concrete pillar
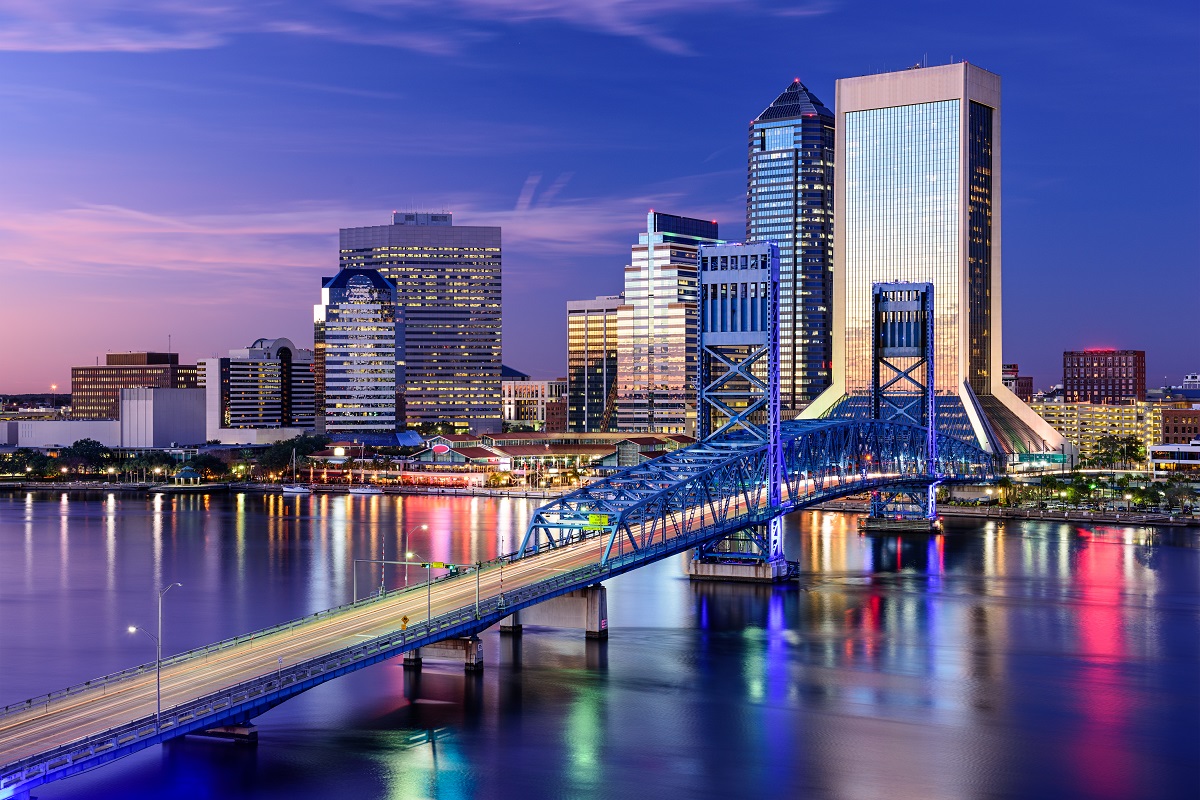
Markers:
point(469, 649)
point(244, 733)
point(747, 571)
point(585, 609)
point(412, 659)
point(510, 625)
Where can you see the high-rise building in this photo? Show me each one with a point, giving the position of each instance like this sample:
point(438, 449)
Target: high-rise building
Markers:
point(592, 363)
point(789, 201)
point(918, 199)
point(269, 384)
point(447, 280)
point(656, 338)
point(1104, 376)
point(96, 390)
point(526, 402)
point(359, 363)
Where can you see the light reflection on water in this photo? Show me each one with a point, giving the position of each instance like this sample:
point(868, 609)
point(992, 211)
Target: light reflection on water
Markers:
point(1035, 659)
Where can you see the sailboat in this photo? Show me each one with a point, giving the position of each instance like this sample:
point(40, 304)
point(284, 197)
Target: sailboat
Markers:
point(294, 487)
point(364, 487)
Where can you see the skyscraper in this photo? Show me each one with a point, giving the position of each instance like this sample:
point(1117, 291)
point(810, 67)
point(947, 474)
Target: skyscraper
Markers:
point(266, 385)
point(447, 280)
point(918, 199)
point(359, 362)
point(789, 201)
point(592, 363)
point(656, 339)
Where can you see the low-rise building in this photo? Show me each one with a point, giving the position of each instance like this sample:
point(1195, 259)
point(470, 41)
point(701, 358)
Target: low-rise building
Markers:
point(1085, 424)
point(150, 418)
point(1180, 425)
point(525, 403)
point(1183, 460)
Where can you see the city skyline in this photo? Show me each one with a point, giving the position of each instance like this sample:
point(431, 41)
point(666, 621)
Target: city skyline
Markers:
point(146, 208)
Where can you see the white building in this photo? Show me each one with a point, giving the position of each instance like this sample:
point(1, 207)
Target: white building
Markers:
point(151, 418)
point(917, 199)
point(523, 402)
point(259, 394)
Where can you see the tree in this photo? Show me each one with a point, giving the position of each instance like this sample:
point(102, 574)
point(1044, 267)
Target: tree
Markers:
point(87, 453)
point(209, 465)
point(278, 456)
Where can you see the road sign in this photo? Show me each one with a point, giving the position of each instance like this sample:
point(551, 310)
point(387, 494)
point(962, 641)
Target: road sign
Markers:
point(596, 522)
point(404, 622)
point(436, 565)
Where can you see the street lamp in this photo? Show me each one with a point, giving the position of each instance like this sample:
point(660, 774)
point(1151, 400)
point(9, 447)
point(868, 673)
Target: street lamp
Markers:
point(407, 555)
point(158, 657)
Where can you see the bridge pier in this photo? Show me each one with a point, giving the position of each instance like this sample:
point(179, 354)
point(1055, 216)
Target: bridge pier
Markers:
point(242, 733)
point(748, 571)
point(468, 648)
point(585, 609)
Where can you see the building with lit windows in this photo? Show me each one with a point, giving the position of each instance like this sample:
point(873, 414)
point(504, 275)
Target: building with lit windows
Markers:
point(789, 201)
point(592, 363)
point(525, 402)
point(1085, 424)
point(656, 327)
point(918, 199)
point(1180, 425)
point(1104, 376)
point(447, 280)
point(268, 385)
point(359, 359)
point(96, 390)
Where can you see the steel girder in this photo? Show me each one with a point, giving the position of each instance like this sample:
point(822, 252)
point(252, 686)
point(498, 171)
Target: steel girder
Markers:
point(722, 484)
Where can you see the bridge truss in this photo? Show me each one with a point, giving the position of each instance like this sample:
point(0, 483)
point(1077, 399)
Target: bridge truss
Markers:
point(718, 487)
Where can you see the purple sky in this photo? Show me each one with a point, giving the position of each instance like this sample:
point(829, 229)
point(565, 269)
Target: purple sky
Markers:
point(175, 167)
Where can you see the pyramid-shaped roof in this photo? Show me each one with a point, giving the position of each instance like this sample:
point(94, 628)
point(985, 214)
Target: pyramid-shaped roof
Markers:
point(795, 101)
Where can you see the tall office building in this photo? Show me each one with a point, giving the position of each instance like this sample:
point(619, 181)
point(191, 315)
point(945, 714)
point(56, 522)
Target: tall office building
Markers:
point(447, 280)
point(656, 327)
point(592, 363)
point(96, 390)
point(269, 384)
point(359, 363)
point(789, 201)
point(918, 199)
point(1104, 376)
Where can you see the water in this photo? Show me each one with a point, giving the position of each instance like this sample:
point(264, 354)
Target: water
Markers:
point(1031, 659)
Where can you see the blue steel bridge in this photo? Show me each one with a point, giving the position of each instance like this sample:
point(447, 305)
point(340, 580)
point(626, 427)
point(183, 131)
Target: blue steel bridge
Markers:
point(688, 499)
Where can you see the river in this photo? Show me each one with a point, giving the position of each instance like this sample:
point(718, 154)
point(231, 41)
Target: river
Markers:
point(1020, 659)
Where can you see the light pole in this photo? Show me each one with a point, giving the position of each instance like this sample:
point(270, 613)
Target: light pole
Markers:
point(407, 554)
point(158, 657)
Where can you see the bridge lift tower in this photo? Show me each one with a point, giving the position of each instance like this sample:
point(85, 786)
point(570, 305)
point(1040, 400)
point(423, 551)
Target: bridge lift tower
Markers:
point(902, 391)
point(738, 391)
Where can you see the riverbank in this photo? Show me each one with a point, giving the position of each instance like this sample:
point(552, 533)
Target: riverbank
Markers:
point(273, 488)
point(1066, 515)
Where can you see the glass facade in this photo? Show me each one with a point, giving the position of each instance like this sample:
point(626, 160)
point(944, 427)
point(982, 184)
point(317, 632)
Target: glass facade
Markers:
point(592, 363)
point(902, 224)
point(447, 279)
point(979, 246)
point(359, 347)
point(789, 201)
point(656, 327)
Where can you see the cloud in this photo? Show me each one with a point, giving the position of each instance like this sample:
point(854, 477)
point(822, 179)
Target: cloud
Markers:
point(435, 27)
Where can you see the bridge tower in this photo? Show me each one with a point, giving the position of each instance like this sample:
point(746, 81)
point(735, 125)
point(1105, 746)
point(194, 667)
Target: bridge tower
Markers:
point(902, 388)
point(738, 388)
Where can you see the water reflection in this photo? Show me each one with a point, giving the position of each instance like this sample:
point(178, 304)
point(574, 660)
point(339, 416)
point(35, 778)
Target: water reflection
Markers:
point(999, 659)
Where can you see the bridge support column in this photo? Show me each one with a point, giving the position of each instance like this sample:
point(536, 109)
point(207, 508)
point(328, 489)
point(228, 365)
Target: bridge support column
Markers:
point(585, 609)
point(748, 571)
point(469, 649)
point(243, 733)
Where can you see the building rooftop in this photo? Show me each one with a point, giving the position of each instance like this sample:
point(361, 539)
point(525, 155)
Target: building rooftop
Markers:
point(796, 101)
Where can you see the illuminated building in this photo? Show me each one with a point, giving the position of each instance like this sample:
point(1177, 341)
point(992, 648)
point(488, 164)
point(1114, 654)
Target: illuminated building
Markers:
point(1085, 424)
point(1104, 376)
point(1018, 384)
point(269, 384)
point(447, 280)
point(96, 390)
point(1180, 425)
point(359, 363)
point(525, 402)
point(592, 363)
point(918, 199)
point(656, 327)
point(789, 201)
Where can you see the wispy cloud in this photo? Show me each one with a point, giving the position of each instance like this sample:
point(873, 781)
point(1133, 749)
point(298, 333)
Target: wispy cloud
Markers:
point(436, 27)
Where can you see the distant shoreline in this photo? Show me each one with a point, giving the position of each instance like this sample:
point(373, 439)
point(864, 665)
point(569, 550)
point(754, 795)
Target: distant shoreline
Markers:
point(1068, 515)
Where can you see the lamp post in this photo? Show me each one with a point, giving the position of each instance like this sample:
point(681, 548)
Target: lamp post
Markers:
point(408, 555)
point(158, 657)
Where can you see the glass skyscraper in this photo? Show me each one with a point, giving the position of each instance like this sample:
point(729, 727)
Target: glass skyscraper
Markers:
point(447, 280)
point(656, 327)
point(789, 201)
point(358, 367)
point(918, 199)
point(592, 363)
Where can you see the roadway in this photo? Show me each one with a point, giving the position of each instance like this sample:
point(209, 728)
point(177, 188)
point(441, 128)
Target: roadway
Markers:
point(76, 717)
